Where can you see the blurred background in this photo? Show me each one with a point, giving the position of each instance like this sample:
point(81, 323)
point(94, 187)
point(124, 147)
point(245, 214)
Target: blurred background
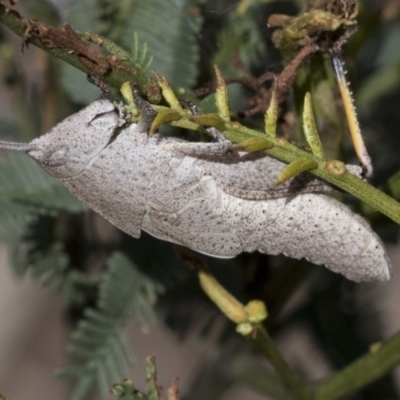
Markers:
point(59, 259)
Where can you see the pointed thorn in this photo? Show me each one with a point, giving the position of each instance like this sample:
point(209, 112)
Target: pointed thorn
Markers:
point(221, 96)
point(295, 168)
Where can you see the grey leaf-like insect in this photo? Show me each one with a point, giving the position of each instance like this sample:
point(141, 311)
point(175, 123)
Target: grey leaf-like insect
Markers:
point(201, 196)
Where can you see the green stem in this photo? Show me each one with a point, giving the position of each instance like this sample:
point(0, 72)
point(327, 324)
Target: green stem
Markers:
point(118, 74)
point(359, 188)
point(262, 381)
point(234, 310)
point(361, 372)
point(266, 345)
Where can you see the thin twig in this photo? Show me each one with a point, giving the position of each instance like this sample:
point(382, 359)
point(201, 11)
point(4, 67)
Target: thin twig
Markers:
point(66, 44)
point(264, 342)
point(234, 310)
point(362, 371)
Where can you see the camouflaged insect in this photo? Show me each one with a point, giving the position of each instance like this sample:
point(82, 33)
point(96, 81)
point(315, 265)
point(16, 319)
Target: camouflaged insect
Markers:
point(202, 196)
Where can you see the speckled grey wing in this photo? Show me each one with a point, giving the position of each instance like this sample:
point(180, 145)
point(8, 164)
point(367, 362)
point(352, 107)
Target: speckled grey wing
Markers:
point(324, 231)
point(315, 227)
point(194, 222)
point(291, 219)
point(252, 176)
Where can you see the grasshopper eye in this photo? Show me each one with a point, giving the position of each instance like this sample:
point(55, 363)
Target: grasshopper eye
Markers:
point(105, 120)
point(69, 147)
point(56, 157)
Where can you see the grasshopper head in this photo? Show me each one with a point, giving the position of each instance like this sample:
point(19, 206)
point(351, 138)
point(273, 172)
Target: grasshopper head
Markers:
point(70, 146)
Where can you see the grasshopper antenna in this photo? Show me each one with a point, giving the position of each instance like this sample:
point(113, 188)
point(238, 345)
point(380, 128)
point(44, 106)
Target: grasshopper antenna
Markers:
point(15, 146)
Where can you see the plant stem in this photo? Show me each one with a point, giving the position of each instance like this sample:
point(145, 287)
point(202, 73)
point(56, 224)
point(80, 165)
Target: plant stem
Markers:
point(118, 73)
point(257, 378)
point(361, 372)
point(264, 342)
point(347, 182)
point(240, 314)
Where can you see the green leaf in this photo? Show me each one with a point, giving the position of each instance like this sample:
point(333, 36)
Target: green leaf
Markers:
point(76, 85)
point(169, 29)
point(378, 84)
point(83, 15)
point(27, 191)
point(99, 340)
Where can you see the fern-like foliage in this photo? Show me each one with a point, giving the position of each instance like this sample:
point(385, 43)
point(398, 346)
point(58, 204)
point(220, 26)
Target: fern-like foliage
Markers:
point(169, 29)
point(99, 341)
point(139, 55)
point(24, 184)
point(93, 16)
point(26, 191)
point(83, 16)
point(51, 266)
point(21, 176)
point(240, 36)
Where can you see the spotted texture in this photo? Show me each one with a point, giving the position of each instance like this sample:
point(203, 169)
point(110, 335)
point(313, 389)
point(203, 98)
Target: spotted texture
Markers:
point(252, 176)
point(217, 205)
point(68, 148)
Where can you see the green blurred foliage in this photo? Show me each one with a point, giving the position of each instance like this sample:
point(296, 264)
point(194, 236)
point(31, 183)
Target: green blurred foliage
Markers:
point(54, 238)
